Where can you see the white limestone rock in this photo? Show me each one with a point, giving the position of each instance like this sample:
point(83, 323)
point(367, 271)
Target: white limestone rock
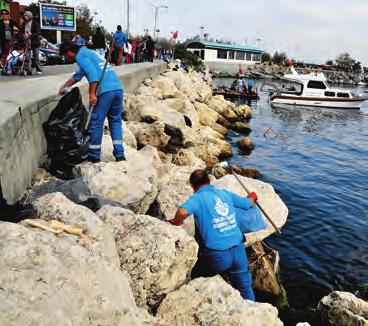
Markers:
point(343, 308)
point(220, 105)
point(128, 137)
point(130, 183)
point(207, 116)
point(156, 255)
point(243, 111)
point(54, 280)
point(190, 84)
point(186, 157)
point(149, 134)
point(166, 86)
point(186, 108)
point(173, 190)
point(100, 242)
point(267, 197)
point(213, 302)
point(150, 91)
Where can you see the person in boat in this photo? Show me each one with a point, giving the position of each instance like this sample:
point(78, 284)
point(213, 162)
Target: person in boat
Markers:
point(250, 85)
point(221, 240)
point(239, 85)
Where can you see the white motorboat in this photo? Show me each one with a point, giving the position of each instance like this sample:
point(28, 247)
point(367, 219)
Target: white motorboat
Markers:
point(313, 90)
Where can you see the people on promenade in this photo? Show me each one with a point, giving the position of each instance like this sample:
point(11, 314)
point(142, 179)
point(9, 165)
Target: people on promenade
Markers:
point(120, 40)
point(31, 31)
point(150, 48)
point(79, 40)
point(6, 34)
point(99, 42)
point(128, 51)
point(221, 241)
point(107, 103)
point(133, 53)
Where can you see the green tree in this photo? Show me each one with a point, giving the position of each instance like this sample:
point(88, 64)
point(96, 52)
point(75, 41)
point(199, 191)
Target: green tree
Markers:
point(186, 56)
point(266, 57)
point(279, 58)
point(346, 63)
point(329, 63)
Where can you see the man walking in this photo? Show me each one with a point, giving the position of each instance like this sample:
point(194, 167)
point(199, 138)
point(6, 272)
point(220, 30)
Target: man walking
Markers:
point(150, 47)
point(120, 41)
point(99, 42)
point(222, 249)
point(107, 103)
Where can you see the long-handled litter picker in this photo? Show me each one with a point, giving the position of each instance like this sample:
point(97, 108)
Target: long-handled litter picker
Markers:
point(224, 165)
point(100, 82)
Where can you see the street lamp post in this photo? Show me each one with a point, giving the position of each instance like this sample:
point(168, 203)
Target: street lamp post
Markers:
point(156, 16)
point(128, 17)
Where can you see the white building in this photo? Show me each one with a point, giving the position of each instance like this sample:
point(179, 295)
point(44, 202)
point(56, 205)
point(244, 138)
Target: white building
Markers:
point(225, 57)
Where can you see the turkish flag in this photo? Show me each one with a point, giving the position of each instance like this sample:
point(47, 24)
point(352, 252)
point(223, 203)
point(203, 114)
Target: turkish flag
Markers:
point(175, 35)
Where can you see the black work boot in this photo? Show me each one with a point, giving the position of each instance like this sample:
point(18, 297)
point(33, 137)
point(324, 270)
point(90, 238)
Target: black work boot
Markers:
point(119, 159)
point(93, 160)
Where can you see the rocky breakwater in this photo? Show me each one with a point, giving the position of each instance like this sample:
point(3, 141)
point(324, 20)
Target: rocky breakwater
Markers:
point(277, 72)
point(116, 262)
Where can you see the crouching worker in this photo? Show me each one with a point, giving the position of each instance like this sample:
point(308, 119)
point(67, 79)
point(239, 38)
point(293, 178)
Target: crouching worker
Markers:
point(223, 250)
point(107, 103)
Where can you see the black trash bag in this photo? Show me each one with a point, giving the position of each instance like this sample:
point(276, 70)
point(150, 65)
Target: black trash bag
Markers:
point(67, 141)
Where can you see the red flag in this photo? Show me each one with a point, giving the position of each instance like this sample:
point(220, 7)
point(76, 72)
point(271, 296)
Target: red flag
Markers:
point(175, 35)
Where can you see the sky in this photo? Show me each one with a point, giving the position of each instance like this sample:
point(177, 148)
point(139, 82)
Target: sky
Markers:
point(308, 30)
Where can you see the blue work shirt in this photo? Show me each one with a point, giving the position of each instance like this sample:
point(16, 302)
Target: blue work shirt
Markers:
point(79, 41)
point(120, 38)
point(91, 65)
point(250, 83)
point(215, 216)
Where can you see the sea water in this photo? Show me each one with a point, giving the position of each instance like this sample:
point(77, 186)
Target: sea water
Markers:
point(318, 164)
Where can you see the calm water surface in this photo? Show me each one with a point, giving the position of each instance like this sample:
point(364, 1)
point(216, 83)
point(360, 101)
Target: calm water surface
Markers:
point(318, 164)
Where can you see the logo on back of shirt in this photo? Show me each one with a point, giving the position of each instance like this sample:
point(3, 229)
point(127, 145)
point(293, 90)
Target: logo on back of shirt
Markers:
point(221, 207)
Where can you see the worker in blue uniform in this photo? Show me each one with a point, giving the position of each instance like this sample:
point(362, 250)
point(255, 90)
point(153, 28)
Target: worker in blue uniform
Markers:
point(107, 103)
point(223, 250)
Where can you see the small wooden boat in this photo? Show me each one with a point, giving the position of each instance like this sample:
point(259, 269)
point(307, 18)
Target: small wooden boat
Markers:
point(232, 94)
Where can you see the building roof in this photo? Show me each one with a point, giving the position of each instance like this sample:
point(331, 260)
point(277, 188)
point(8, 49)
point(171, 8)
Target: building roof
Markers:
point(222, 46)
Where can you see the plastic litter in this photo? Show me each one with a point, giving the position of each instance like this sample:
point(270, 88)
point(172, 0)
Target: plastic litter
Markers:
point(250, 220)
point(67, 140)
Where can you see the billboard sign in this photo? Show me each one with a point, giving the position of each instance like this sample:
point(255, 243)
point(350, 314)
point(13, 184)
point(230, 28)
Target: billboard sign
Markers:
point(57, 17)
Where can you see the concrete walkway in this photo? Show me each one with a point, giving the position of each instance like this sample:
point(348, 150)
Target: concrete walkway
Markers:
point(47, 72)
point(25, 104)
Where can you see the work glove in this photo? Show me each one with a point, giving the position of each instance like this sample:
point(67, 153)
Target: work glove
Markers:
point(172, 221)
point(253, 195)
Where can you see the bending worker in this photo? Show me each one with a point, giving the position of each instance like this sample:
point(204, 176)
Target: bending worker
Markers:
point(107, 103)
point(223, 250)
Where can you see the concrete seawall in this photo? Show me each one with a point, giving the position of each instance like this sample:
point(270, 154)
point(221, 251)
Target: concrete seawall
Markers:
point(24, 106)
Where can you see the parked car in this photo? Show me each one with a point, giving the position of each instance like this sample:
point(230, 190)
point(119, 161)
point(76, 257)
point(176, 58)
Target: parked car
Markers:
point(51, 52)
point(42, 57)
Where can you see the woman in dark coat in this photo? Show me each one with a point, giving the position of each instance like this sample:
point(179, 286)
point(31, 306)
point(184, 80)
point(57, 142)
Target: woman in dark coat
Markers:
point(6, 34)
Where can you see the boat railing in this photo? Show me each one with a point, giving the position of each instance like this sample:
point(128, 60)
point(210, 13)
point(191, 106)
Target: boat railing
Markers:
point(270, 88)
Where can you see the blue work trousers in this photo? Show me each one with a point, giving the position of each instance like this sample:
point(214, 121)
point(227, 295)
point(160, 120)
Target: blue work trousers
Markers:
point(232, 262)
point(110, 105)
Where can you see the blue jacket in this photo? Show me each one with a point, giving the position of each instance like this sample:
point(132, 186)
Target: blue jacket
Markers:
point(120, 38)
point(90, 65)
point(214, 213)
